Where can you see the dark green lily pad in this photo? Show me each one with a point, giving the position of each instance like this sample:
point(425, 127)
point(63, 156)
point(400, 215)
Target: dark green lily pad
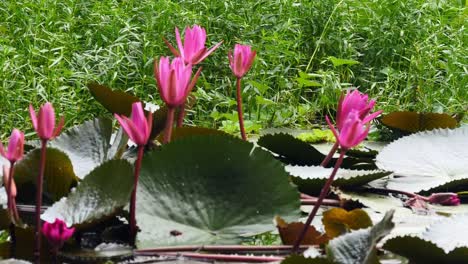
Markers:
point(115, 101)
point(200, 190)
point(300, 259)
point(310, 179)
point(359, 246)
point(101, 194)
point(421, 251)
point(59, 176)
point(293, 151)
point(412, 122)
point(182, 132)
point(88, 145)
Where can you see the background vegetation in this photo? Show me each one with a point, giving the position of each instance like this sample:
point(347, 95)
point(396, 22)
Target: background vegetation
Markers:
point(411, 54)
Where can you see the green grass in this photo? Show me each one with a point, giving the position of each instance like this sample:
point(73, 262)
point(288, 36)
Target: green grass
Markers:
point(413, 55)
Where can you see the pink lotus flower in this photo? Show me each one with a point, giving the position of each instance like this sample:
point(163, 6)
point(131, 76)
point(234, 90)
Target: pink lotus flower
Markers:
point(353, 130)
point(193, 51)
point(450, 199)
point(138, 128)
point(57, 233)
point(358, 101)
point(15, 146)
point(242, 59)
point(44, 123)
point(173, 80)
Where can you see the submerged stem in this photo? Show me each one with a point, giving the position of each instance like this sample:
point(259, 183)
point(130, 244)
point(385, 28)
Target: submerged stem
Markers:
point(133, 225)
point(322, 195)
point(169, 124)
point(330, 155)
point(239, 109)
point(40, 179)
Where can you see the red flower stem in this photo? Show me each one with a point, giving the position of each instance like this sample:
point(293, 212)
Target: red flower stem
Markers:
point(181, 115)
point(169, 124)
point(8, 189)
point(239, 109)
point(40, 179)
point(12, 211)
point(330, 155)
point(219, 257)
point(223, 248)
point(133, 225)
point(322, 195)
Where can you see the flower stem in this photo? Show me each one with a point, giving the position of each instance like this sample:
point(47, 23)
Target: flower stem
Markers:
point(330, 155)
point(239, 109)
point(181, 115)
point(169, 124)
point(133, 225)
point(40, 178)
point(12, 211)
point(322, 195)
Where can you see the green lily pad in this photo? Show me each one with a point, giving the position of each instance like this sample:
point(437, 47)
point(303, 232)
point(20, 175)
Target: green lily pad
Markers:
point(116, 102)
point(421, 251)
point(59, 176)
point(182, 132)
point(432, 160)
point(88, 145)
point(359, 246)
point(200, 190)
point(300, 259)
point(293, 151)
point(310, 179)
point(101, 194)
point(412, 122)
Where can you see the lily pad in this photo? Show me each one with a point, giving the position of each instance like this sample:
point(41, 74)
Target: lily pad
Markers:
point(310, 179)
point(293, 151)
point(421, 251)
point(182, 132)
point(114, 101)
point(200, 190)
point(450, 233)
point(101, 194)
point(427, 160)
point(59, 176)
point(414, 122)
point(89, 144)
point(359, 246)
point(300, 259)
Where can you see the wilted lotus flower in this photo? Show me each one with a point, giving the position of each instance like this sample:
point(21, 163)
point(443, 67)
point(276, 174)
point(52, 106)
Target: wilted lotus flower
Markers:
point(353, 131)
point(138, 127)
point(15, 146)
point(57, 233)
point(242, 59)
point(357, 101)
point(44, 123)
point(450, 199)
point(193, 50)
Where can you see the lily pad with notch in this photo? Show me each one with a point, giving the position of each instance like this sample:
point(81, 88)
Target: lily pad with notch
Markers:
point(199, 190)
point(432, 160)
